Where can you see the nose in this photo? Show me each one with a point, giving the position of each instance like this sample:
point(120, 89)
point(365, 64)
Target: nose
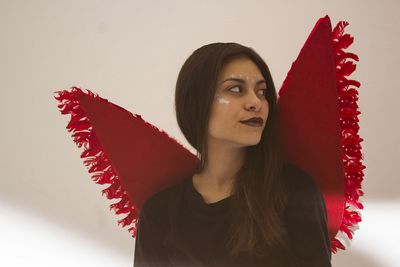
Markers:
point(253, 102)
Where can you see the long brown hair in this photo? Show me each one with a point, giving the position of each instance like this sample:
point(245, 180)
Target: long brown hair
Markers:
point(260, 195)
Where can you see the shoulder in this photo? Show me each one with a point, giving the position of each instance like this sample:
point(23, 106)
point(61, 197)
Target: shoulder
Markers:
point(306, 218)
point(158, 205)
point(304, 194)
point(299, 181)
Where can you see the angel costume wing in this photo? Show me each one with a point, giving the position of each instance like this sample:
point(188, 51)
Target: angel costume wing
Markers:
point(318, 126)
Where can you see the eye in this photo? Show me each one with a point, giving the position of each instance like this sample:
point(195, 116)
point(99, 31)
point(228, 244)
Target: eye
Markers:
point(235, 87)
point(264, 91)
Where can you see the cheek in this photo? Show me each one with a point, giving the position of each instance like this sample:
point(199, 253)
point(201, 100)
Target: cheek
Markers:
point(220, 106)
point(223, 111)
point(222, 100)
point(224, 107)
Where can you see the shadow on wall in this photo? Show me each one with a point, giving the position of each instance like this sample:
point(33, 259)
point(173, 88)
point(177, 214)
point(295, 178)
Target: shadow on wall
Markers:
point(354, 259)
point(78, 208)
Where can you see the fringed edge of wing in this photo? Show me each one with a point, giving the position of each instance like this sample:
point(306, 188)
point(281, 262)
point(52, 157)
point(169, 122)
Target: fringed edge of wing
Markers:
point(352, 156)
point(95, 157)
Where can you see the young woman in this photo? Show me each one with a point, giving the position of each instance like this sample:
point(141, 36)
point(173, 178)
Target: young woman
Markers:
point(244, 205)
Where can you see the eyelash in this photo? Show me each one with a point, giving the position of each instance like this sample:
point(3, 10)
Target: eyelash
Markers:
point(264, 94)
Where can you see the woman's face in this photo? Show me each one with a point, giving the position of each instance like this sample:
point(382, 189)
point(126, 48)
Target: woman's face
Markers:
point(240, 95)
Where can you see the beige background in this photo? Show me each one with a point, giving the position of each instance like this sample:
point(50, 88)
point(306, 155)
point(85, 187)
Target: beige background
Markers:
point(130, 52)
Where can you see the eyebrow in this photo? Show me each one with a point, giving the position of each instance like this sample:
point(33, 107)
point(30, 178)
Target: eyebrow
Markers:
point(242, 81)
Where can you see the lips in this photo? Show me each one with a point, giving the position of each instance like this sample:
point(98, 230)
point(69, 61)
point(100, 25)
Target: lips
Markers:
point(255, 121)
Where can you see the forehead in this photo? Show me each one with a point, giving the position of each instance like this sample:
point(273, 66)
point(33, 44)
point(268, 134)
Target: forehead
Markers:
point(240, 67)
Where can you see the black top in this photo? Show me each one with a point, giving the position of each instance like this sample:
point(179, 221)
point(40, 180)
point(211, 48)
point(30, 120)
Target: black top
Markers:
point(177, 228)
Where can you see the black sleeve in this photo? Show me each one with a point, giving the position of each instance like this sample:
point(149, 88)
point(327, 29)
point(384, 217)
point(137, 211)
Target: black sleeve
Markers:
point(308, 227)
point(149, 250)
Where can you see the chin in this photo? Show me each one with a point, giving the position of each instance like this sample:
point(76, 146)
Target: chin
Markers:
point(251, 142)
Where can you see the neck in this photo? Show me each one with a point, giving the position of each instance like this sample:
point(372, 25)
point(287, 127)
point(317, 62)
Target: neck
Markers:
point(223, 163)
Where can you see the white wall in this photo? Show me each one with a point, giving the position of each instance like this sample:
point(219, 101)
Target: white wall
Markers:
point(130, 52)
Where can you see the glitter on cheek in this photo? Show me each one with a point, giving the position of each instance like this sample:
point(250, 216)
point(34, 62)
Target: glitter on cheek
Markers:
point(222, 100)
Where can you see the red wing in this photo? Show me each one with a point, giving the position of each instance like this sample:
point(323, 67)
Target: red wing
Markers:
point(121, 149)
point(318, 123)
